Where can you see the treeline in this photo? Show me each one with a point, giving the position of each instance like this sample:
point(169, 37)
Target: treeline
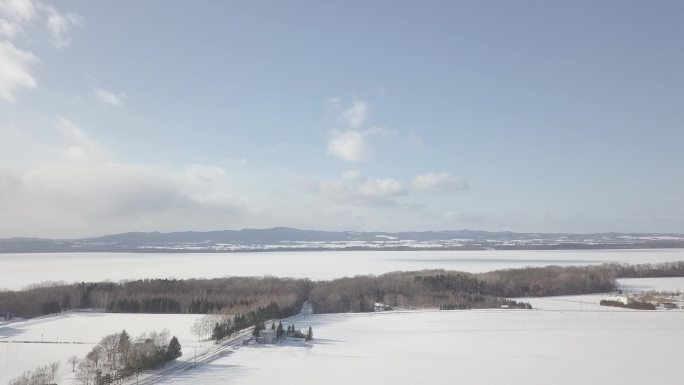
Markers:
point(457, 290)
point(237, 295)
point(435, 289)
point(230, 325)
point(631, 305)
point(118, 357)
point(548, 281)
point(507, 303)
point(648, 270)
point(245, 296)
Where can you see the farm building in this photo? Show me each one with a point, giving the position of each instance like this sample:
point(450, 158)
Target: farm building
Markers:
point(266, 337)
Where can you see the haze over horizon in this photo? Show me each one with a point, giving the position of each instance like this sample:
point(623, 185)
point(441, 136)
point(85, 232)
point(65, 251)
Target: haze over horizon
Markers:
point(168, 116)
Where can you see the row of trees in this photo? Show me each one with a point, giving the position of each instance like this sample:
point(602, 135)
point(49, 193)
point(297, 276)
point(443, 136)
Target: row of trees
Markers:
point(40, 376)
point(250, 296)
point(256, 318)
point(237, 295)
point(118, 357)
point(296, 333)
point(457, 290)
point(115, 358)
point(648, 270)
point(631, 305)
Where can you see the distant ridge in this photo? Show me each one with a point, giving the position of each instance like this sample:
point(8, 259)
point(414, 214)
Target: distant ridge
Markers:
point(285, 238)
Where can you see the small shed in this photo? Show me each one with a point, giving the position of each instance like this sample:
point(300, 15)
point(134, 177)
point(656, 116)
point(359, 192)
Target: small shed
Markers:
point(266, 337)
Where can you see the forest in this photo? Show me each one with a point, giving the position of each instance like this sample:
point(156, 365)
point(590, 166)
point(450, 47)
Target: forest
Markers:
point(236, 295)
point(457, 290)
point(252, 297)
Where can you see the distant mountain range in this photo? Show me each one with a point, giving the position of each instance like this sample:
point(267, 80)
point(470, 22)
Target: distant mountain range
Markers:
point(284, 238)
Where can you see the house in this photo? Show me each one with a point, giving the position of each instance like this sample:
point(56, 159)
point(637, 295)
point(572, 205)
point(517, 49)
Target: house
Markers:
point(266, 337)
point(145, 347)
point(622, 298)
point(381, 306)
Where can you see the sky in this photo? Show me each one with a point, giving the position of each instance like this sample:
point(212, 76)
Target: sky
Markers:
point(529, 116)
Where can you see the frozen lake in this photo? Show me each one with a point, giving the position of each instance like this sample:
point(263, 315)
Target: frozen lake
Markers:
point(19, 270)
point(471, 347)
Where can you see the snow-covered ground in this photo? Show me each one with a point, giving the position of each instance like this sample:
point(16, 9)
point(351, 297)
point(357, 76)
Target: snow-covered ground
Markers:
point(77, 334)
point(470, 347)
point(591, 301)
point(427, 347)
point(19, 270)
point(587, 302)
point(673, 284)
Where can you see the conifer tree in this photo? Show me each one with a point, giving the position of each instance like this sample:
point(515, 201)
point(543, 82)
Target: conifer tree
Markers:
point(309, 334)
point(257, 328)
point(173, 351)
point(124, 347)
point(279, 331)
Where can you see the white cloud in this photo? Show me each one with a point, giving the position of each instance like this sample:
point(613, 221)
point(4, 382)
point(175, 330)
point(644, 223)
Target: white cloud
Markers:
point(8, 29)
point(355, 188)
point(15, 70)
point(19, 10)
point(74, 132)
point(59, 25)
point(438, 183)
point(349, 146)
point(93, 192)
point(354, 116)
point(17, 13)
point(353, 145)
point(113, 196)
point(92, 196)
point(352, 142)
point(15, 63)
point(109, 98)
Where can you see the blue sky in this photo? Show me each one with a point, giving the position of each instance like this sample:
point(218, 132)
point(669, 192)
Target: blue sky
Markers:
point(165, 115)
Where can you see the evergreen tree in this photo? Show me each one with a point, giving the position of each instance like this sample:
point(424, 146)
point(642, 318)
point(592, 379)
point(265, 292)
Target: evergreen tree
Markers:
point(124, 347)
point(257, 328)
point(279, 331)
point(309, 334)
point(173, 351)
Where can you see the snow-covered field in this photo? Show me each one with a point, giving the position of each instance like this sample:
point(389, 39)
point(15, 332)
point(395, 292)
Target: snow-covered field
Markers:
point(591, 301)
point(569, 339)
point(469, 347)
point(77, 334)
point(480, 346)
point(19, 270)
point(652, 284)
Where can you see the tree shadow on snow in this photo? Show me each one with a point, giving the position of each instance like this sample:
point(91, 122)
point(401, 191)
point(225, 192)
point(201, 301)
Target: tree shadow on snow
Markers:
point(9, 332)
point(210, 371)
